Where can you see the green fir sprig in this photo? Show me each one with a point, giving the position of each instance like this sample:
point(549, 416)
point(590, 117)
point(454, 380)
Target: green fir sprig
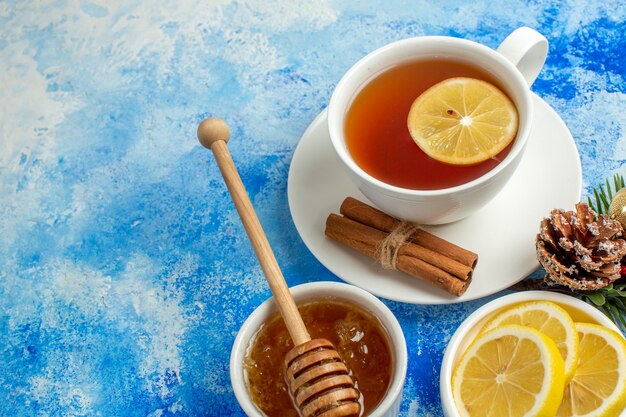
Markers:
point(612, 298)
point(603, 196)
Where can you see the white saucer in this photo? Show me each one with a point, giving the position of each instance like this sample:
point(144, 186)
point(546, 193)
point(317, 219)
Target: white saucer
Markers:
point(502, 233)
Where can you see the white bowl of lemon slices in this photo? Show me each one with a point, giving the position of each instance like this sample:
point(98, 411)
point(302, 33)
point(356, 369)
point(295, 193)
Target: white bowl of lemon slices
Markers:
point(535, 353)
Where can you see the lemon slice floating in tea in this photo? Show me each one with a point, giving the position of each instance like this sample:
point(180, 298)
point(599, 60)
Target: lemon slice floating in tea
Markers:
point(462, 121)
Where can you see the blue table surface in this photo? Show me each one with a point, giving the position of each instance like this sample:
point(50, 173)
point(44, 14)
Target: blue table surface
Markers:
point(125, 273)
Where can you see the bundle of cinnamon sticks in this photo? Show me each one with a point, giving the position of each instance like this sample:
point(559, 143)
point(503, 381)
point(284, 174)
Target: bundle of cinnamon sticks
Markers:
point(423, 255)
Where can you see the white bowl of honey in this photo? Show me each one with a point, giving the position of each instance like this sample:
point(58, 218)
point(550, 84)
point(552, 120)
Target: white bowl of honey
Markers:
point(364, 331)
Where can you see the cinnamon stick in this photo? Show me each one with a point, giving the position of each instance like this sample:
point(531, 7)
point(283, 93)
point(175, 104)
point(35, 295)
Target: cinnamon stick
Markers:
point(363, 213)
point(367, 240)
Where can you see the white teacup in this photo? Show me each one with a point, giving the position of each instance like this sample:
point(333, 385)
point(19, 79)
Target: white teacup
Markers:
point(515, 65)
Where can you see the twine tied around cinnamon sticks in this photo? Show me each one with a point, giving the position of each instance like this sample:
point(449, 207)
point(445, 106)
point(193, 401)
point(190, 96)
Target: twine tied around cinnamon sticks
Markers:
point(402, 246)
point(389, 248)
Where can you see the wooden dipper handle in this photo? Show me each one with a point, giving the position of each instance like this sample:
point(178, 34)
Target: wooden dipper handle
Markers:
point(213, 134)
point(319, 381)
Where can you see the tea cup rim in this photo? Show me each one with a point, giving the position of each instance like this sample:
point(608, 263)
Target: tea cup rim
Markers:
point(336, 116)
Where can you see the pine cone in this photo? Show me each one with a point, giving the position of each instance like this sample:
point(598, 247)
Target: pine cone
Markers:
point(579, 251)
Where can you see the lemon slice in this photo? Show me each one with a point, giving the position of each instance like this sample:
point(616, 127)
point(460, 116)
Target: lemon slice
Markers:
point(598, 388)
point(550, 319)
point(511, 371)
point(462, 121)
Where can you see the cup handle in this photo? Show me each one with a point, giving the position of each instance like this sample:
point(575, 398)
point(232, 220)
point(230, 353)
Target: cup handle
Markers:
point(527, 50)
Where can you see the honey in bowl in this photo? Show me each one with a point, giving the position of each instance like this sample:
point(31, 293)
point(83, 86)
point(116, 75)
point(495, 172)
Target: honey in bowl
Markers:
point(376, 130)
point(357, 336)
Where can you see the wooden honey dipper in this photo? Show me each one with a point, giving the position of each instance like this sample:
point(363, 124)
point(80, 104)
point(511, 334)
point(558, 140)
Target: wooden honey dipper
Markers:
point(319, 381)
